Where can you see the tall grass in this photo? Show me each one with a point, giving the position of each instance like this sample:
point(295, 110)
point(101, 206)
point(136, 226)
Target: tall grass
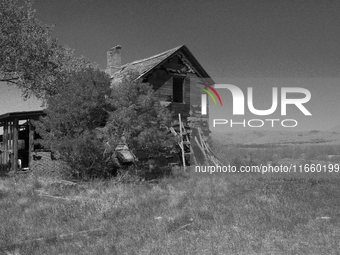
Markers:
point(256, 154)
point(234, 214)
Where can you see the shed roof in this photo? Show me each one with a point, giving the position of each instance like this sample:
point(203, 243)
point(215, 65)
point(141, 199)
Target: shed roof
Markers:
point(20, 115)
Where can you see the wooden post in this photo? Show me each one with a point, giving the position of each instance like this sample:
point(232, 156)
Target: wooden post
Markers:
point(15, 144)
point(10, 144)
point(181, 141)
point(2, 151)
point(5, 142)
point(30, 143)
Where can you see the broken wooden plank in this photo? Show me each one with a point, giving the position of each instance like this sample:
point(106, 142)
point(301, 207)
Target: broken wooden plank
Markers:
point(181, 137)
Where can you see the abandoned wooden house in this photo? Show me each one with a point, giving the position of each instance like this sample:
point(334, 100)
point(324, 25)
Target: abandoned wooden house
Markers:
point(173, 75)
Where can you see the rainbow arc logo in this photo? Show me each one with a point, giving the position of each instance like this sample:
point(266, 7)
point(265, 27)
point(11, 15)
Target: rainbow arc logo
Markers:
point(204, 97)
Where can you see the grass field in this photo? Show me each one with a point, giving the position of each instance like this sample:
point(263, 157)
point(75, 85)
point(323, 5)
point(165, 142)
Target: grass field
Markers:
point(233, 214)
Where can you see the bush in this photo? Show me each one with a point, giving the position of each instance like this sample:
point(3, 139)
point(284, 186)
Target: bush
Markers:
point(138, 118)
point(83, 124)
point(73, 116)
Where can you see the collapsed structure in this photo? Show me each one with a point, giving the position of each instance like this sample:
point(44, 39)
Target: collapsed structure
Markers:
point(17, 140)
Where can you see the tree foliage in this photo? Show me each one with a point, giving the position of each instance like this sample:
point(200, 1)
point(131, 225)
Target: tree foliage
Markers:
point(86, 119)
point(29, 57)
point(73, 114)
point(77, 95)
point(139, 117)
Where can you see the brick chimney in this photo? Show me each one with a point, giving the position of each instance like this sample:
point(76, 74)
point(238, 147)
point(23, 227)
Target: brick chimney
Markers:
point(114, 60)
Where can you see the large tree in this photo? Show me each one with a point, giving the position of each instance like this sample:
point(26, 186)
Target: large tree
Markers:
point(29, 57)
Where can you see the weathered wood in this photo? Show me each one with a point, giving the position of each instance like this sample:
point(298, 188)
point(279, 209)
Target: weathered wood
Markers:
point(10, 144)
point(201, 138)
point(181, 141)
point(15, 144)
point(198, 119)
point(174, 66)
point(162, 83)
point(5, 145)
point(201, 148)
point(30, 143)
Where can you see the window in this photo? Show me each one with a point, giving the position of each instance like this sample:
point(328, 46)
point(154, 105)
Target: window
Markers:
point(177, 89)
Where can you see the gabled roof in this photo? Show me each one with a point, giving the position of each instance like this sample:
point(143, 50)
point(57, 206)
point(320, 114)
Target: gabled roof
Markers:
point(145, 66)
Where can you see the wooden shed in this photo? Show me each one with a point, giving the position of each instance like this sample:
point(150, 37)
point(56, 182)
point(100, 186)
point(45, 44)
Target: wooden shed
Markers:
point(17, 139)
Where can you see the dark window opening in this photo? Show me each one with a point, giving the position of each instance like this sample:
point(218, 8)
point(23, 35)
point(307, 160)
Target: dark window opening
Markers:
point(177, 89)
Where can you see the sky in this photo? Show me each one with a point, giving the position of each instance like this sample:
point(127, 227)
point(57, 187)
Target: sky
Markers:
point(260, 44)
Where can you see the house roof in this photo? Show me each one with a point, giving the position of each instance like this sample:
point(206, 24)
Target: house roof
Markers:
point(20, 115)
point(145, 66)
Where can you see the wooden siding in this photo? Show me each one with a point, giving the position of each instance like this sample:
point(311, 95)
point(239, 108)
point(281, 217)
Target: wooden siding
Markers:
point(161, 80)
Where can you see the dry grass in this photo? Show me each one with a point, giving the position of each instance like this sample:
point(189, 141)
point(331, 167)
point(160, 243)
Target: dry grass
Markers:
point(234, 214)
